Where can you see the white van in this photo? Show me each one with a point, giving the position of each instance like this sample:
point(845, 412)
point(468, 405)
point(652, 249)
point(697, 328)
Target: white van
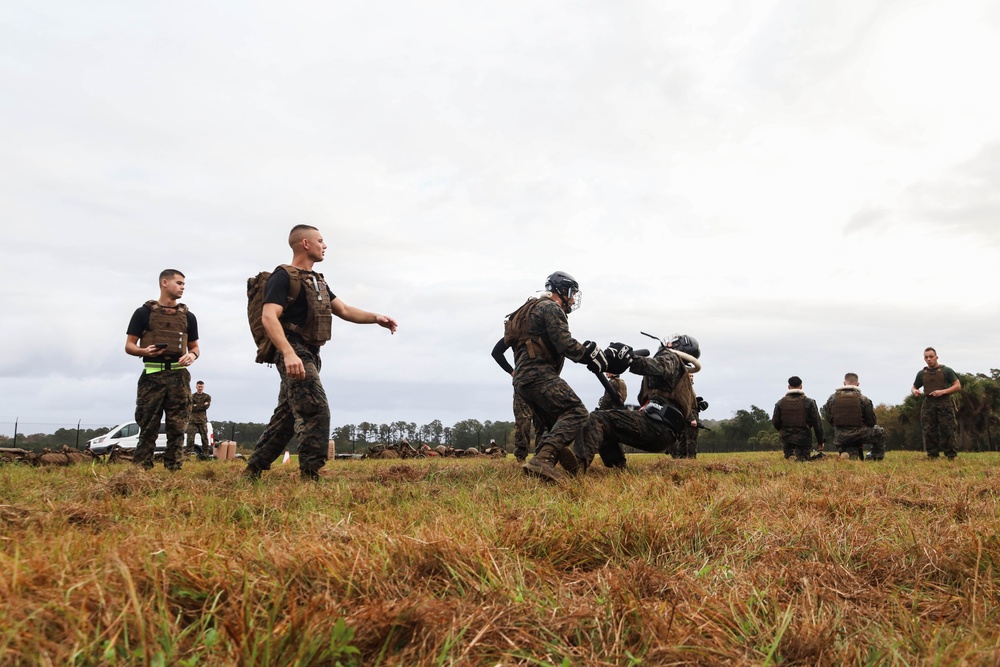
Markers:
point(126, 436)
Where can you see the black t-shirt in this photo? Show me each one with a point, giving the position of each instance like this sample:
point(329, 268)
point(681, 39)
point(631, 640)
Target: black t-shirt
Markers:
point(140, 323)
point(276, 291)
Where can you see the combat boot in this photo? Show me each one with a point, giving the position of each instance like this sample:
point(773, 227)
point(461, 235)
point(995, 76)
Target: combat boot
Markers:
point(251, 474)
point(569, 462)
point(543, 464)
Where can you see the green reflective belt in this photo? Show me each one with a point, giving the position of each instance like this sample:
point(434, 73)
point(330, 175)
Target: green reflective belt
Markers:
point(158, 366)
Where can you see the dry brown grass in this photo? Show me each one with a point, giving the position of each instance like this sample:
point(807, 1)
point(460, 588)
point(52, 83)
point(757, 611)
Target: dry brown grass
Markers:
point(738, 560)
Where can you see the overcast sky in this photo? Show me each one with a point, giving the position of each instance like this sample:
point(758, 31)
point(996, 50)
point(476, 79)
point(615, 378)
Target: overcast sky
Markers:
point(807, 187)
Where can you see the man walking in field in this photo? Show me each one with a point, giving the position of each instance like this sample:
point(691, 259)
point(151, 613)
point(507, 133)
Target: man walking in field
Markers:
point(938, 418)
point(297, 316)
point(853, 417)
point(165, 334)
point(795, 414)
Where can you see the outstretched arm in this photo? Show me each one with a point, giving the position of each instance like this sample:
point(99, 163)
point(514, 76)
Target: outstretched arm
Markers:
point(359, 316)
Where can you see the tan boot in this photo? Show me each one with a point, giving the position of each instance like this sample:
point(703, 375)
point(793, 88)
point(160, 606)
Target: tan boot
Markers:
point(543, 463)
point(569, 462)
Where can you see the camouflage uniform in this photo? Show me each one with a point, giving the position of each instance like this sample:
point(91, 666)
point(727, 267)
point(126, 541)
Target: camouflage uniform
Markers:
point(854, 426)
point(522, 428)
point(198, 422)
point(158, 393)
point(537, 381)
point(664, 381)
point(302, 412)
point(795, 415)
point(938, 418)
point(164, 388)
point(687, 443)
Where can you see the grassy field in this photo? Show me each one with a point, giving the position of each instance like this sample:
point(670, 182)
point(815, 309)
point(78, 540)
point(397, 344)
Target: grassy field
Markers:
point(727, 559)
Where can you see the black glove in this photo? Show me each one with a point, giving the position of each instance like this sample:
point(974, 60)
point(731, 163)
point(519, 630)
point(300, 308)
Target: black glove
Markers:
point(594, 358)
point(702, 404)
point(619, 356)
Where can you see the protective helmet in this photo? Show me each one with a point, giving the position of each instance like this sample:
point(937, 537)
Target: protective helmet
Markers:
point(686, 344)
point(565, 286)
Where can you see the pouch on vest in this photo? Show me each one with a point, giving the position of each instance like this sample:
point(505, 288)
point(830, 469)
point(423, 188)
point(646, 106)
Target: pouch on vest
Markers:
point(665, 414)
point(176, 342)
point(167, 326)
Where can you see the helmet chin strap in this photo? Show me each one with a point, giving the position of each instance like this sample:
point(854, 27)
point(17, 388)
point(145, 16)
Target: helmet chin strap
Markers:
point(564, 301)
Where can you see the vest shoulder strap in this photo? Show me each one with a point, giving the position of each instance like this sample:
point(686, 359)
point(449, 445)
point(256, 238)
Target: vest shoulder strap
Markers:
point(294, 281)
point(154, 306)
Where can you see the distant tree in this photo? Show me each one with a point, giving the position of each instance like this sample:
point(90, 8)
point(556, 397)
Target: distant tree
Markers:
point(367, 432)
point(466, 433)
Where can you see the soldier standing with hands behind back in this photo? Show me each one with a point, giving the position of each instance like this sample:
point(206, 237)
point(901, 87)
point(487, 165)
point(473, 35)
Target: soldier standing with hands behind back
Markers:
point(165, 334)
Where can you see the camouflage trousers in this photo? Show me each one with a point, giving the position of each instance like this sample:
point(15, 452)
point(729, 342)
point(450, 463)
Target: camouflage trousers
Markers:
point(687, 444)
point(522, 428)
point(302, 412)
point(940, 427)
point(608, 430)
point(853, 439)
point(796, 442)
point(554, 404)
point(199, 427)
point(169, 393)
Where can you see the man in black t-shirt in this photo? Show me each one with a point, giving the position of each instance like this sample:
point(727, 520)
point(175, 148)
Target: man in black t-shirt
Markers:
point(938, 417)
point(165, 334)
point(297, 313)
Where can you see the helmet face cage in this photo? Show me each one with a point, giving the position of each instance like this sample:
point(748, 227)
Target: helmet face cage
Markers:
point(567, 288)
point(577, 296)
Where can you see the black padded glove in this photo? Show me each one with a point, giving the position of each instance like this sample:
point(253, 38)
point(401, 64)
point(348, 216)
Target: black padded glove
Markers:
point(594, 357)
point(702, 404)
point(619, 356)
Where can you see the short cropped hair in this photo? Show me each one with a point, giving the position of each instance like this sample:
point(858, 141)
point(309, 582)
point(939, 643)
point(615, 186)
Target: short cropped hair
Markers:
point(795, 382)
point(198, 383)
point(930, 349)
point(851, 377)
point(298, 232)
point(167, 274)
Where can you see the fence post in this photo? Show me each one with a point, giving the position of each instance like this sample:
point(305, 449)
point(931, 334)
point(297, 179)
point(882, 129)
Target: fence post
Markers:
point(15, 432)
point(78, 433)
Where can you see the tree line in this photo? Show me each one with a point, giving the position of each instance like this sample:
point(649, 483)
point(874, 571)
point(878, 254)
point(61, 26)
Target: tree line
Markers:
point(978, 412)
point(747, 430)
point(357, 438)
